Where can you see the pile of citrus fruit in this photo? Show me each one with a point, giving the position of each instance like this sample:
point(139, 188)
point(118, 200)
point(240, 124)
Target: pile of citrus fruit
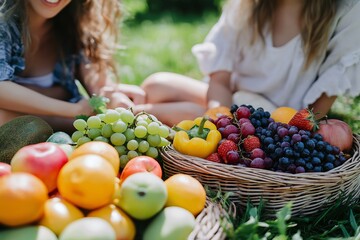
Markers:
point(91, 199)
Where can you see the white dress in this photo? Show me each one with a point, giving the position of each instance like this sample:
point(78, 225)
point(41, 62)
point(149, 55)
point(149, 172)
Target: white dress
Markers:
point(277, 73)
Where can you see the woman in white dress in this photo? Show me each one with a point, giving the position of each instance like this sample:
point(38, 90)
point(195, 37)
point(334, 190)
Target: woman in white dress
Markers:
point(295, 53)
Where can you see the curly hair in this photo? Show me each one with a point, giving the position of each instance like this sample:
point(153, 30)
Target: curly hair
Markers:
point(316, 21)
point(91, 26)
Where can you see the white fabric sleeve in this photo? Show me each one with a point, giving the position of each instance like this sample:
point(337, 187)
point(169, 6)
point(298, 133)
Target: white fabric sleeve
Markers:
point(217, 51)
point(343, 78)
point(340, 72)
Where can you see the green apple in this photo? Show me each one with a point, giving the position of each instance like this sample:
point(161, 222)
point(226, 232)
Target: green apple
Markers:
point(142, 195)
point(28, 233)
point(173, 223)
point(67, 148)
point(88, 228)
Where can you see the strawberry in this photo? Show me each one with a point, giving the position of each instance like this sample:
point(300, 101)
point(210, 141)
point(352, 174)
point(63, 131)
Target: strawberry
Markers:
point(214, 157)
point(305, 119)
point(251, 142)
point(226, 146)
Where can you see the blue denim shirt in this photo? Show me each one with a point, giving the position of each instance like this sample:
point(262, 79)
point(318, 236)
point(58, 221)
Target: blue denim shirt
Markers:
point(12, 60)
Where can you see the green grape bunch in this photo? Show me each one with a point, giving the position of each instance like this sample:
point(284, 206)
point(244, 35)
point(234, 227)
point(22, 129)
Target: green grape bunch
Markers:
point(131, 135)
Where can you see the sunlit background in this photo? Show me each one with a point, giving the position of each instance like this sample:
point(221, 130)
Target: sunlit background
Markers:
point(157, 35)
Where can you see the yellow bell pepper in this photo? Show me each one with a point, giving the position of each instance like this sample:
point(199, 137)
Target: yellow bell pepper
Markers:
point(198, 138)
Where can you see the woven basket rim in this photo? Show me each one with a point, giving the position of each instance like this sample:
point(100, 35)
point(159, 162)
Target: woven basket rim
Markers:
point(349, 167)
point(210, 221)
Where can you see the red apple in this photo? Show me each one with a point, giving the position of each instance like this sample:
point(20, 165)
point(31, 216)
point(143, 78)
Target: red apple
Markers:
point(4, 169)
point(43, 160)
point(141, 164)
point(336, 132)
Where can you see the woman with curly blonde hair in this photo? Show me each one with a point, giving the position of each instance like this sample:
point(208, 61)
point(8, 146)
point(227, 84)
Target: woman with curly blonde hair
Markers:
point(47, 47)
point(269, 53)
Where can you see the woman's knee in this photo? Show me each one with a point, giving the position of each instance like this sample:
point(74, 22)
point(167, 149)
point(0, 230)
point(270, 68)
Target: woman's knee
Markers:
point(160, 87)
point(156, 81)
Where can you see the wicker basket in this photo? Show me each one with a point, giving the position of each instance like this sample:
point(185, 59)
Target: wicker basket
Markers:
point(211, 221)
point(309, 192)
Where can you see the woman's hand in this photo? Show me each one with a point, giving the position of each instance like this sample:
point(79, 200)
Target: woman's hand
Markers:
point(116, 97)
point(83, 108)
point(135, 93)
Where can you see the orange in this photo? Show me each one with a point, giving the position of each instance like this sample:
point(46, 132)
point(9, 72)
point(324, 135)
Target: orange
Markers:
point(283, 114)
point(22, 199)
point(187, 192)
point(216, 112)
point(58, 214)
point(103, 149)
point(88, 181)
point(122, 223)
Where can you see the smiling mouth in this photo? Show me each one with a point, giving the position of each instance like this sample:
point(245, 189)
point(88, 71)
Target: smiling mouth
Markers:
point(52, 1)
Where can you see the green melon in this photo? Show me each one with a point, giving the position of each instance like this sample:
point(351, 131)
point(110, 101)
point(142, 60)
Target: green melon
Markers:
point(22, 131)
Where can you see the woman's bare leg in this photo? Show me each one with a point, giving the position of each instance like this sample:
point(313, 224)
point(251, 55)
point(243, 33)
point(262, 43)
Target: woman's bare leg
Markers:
point(171, 87)
point(57, 123)
point(172, 97)
point(6, 116)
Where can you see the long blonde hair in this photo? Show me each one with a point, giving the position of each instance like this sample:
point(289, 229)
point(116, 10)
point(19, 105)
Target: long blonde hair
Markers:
point(91, 26)
point(317, 16)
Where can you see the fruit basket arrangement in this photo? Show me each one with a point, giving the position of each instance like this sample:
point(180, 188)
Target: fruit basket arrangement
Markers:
point(309, 191)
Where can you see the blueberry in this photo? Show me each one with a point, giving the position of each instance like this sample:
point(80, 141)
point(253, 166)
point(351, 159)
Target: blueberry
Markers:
point(304, 138)
point(253, 121)
point(276, 138)
point(233, 108)
point(342, 158)
point(328, 166)
point(320, 155)
point(318, 169)
point(284, 161)
point(309, 166)
point(330, 158)
point(297, 155)
point(271, 147)
point(278, 151)
point(336, 150)
point(256, 115)
point(269, 133)
point(300, 162)
point(320, 145)
point(328, 148)
point(258, 123)
point(310, 144)
point(316, 161)
point(264, 122)
point(299, 147)
point(287, 138)
point(268, 140)
point(318, 137)
point(337, 163)
point(305, 152)
point(288, 152)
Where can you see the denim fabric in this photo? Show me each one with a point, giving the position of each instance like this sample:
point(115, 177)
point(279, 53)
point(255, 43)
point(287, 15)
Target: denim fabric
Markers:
point(12, 60)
